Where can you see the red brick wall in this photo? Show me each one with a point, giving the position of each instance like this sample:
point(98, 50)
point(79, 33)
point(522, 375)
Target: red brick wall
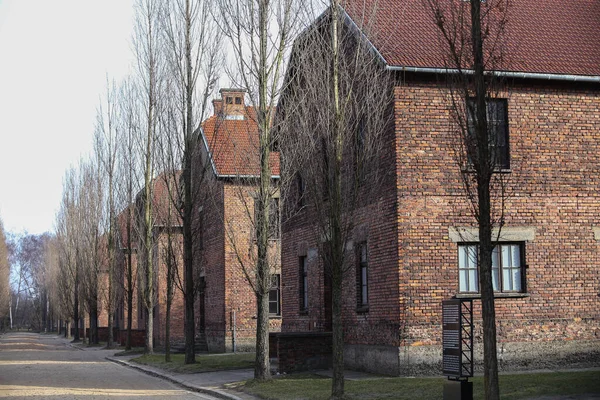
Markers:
point(209, 253)
point(375, 224)
point(553, 183)
point(554, 135)
point(226, 221)
point(177, 307)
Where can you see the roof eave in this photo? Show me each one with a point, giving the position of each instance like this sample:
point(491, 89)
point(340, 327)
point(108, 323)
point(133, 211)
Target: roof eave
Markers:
point(234, 176)
point(505, 74)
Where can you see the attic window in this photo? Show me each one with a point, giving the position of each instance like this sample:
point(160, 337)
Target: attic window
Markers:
point(229, 100)
point(238, 100)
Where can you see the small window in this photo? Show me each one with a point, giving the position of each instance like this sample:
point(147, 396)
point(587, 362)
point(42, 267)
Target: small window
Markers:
point(238, 100)
point(229, 100)
point(275, 295)
point(362, 277)
point(303, 292)
point(507, 268)
point(497, 117)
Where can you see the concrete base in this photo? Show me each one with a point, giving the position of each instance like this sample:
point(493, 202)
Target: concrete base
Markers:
point(427, 360)
point(458, 390)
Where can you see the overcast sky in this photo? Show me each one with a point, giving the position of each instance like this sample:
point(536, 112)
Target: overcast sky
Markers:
point(54, 59)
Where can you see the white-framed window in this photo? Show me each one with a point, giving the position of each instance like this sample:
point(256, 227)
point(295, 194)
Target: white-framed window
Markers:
point(507, 267)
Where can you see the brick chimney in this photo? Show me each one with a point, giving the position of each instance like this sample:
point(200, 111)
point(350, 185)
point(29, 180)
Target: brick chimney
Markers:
point(218, 106)
point(231, 105)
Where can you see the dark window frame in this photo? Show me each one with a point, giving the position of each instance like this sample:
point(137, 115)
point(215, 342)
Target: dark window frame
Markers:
point(275, 295)
point(500, 268)
point(303, 284)
point(497, 123)
point(362, 277)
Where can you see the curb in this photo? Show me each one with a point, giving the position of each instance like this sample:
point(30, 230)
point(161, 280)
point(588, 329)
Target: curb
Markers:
point(209, 391)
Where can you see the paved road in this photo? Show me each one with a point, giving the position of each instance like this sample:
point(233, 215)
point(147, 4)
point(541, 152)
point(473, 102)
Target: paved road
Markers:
point(47, 367)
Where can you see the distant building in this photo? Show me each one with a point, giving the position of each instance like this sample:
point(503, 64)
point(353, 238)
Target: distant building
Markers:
point(224, 237)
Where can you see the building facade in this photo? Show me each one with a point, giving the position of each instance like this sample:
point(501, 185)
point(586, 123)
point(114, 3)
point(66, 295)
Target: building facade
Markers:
point(415, 243)
point(224, 246)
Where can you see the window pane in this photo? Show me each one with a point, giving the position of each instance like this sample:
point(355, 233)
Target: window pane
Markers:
point(462, 251)
point(462, 280)
point(273, 308)
point(516, 275)
point(506, 281)
point(473, 280)
point(506, 258)
point(495, 277)
point(472, 256)
point(516, 256)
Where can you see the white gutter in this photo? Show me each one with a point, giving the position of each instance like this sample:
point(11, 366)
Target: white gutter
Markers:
point(506, 74)
point(246, 176)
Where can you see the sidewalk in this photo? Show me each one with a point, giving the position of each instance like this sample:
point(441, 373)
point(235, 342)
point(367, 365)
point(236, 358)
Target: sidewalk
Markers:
point(209, 383)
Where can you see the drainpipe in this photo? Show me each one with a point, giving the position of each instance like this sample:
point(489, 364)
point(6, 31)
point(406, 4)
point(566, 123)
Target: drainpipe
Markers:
point(506, 74)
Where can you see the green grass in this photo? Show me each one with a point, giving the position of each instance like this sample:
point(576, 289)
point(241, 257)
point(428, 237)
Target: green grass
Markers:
point(512, 387)
point(204, 363)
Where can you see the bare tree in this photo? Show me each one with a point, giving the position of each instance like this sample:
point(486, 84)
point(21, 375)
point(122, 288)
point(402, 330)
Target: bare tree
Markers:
point(107, 148)
point(260, 34)
point(91, 249)
point(66, 232)
point(127, 187)
point(54, 308)
point(4, 279)
point(472, 36)
point(148, 46)
point(194, 58)
point(335, 110)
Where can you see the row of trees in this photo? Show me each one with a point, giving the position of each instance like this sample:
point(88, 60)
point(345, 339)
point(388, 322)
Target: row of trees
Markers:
point(335, 106)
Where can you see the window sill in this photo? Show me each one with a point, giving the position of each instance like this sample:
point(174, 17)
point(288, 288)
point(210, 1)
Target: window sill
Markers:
point(362, 310)
point(496, 295)
point(274, 316)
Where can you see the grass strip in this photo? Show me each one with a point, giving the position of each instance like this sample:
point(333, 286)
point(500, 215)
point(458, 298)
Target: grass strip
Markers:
point(204, 362)
point(512, 387)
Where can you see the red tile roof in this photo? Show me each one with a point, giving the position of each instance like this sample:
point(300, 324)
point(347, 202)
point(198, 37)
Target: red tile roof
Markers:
point(548, 36)
point(233, 145)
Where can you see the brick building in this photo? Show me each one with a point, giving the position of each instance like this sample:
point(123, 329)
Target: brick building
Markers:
point(166, 227)
point(416, 237)
point(225, 175)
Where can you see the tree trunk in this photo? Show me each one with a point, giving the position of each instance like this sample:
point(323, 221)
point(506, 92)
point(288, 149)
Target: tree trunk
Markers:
point(76, 307)
point(337, 384)
point(484, 174)
point(188, 262)
point(129, 293)
point(94, 337)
